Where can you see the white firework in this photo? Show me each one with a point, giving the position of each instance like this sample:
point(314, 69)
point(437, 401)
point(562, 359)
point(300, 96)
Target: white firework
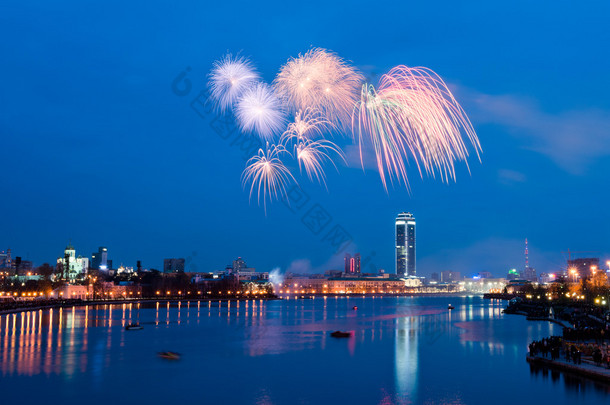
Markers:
point(229, 79)
point(260, 110)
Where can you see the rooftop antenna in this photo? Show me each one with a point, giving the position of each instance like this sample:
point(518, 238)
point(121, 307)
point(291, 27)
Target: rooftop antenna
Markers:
point(527, 261)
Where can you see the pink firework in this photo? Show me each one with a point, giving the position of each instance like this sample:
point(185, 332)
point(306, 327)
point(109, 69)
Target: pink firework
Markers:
point(413, 115)
point(321, 80)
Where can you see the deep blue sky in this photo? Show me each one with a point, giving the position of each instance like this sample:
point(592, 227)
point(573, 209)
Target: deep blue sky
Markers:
point(97, 149)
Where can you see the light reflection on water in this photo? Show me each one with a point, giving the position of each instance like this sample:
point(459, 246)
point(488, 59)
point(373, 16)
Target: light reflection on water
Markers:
point(403, 350)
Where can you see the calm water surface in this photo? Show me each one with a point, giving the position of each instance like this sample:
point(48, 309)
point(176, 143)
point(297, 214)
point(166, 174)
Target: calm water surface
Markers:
point(404, 350)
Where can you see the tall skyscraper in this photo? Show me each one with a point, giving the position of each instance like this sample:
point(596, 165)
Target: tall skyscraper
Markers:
point(348, 263)
point(99, 259)
point(357, 263)
point(405, 244)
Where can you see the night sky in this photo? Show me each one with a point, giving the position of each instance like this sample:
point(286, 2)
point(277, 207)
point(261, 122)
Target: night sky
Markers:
point(99, 150)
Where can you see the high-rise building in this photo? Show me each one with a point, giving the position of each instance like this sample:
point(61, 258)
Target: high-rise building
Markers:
point(352, 264)
point(348, 263)
point(405, 244)
point(99, 259)
point(173, 265)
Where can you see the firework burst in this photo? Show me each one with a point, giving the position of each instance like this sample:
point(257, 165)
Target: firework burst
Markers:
point(413, 115)
point(267, 174)
point(321, 80)
point(229, 78)
point(259, 110)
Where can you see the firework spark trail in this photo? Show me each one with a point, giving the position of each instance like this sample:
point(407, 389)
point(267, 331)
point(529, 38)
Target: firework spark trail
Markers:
point(229, 78)
point(260, 110)
point(413, 115)
point(266, 172)
point(308, 124)
point(322, 80)
point(312, 154)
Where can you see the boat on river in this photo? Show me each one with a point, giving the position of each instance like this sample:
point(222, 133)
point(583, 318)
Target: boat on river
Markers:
point(340, 334)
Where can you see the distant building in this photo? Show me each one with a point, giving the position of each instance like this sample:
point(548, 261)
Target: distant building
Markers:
point(546, 278)
point(72, 267)
point(484, 274)
point(22, 267)
point(529, 274)
point(405, 245)
point(345, 285)
point(99, 259)
point(173, 265)
point(435, 277)
point(238, 264)
point(450, 276)
point(6, 261)
point(352, 264)
point(240, 267)
point(513, 274)
point(584, 267)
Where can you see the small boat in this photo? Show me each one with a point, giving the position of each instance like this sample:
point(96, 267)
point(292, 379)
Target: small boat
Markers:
point(133, 326)
point(339, 334)
point(355, 308)
point(169, 355)
point(450, 307)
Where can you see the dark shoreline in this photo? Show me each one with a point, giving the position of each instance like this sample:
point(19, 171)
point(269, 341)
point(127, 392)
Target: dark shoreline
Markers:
point(602, 374)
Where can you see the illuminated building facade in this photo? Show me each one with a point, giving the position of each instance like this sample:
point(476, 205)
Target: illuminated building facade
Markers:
point(73, 267)
point(405, 245)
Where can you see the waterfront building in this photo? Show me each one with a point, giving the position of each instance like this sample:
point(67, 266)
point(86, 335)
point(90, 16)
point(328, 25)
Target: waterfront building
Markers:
point(99, 259)
point(173, 265)
point(405, 244)
point(485, 285)
point(72, 266)
point(343, 285)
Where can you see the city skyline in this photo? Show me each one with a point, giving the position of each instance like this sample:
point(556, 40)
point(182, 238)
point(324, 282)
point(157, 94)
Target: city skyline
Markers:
point(151, 178)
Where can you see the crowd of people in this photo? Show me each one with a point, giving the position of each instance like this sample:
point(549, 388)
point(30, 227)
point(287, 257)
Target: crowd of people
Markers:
point(585, 333)
point(574, 352)
point(546, 347)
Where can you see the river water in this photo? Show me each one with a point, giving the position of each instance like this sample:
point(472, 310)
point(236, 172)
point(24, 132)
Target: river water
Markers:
point(404, 350)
